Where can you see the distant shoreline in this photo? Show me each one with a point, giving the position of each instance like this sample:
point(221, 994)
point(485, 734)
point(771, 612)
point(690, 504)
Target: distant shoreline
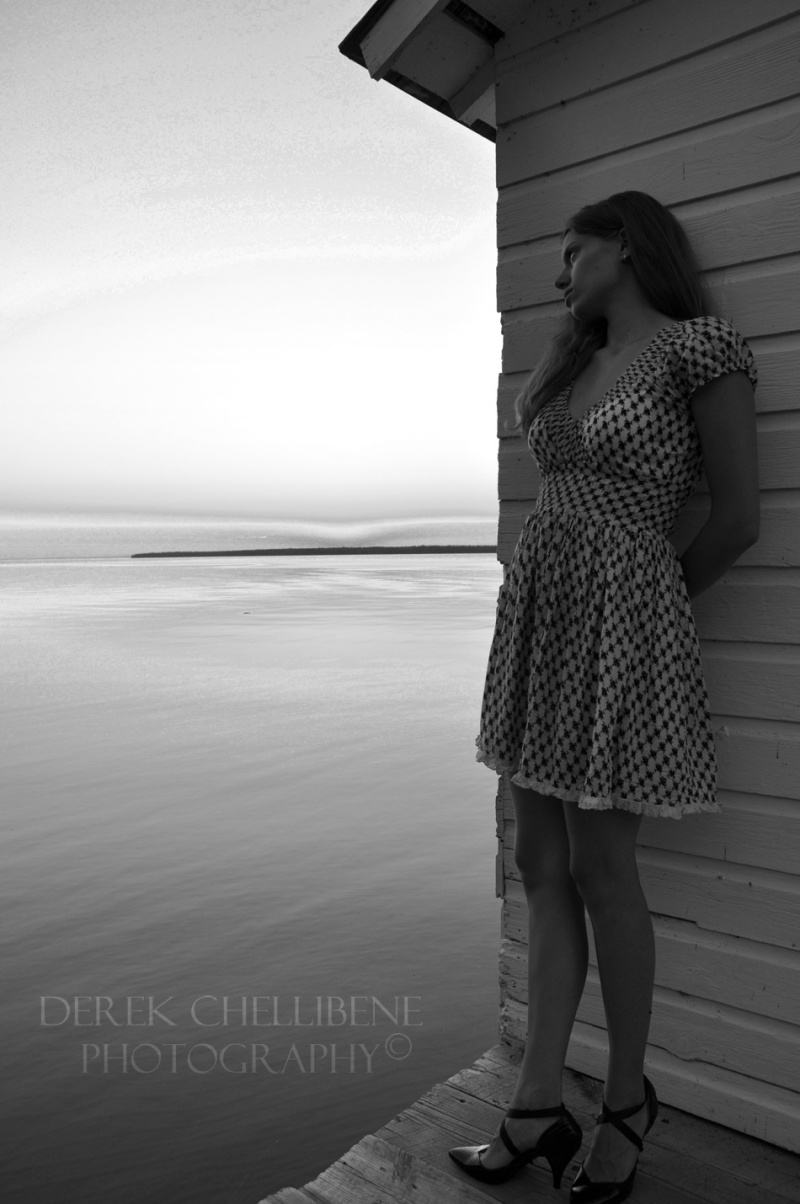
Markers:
point(404, 550)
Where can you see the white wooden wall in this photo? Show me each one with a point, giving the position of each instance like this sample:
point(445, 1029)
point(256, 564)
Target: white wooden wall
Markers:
point(698, 103)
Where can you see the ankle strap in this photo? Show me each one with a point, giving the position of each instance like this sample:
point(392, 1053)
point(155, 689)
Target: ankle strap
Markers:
point(618, 1118)
point(521, 1113)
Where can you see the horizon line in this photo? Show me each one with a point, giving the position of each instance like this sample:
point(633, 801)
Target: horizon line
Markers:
point(119, 513)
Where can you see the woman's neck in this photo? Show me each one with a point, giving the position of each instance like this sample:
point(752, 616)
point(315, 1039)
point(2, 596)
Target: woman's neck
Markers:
point(632, 323)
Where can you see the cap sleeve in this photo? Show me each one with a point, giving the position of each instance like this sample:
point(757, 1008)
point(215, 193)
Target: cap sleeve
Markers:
point(708, 348)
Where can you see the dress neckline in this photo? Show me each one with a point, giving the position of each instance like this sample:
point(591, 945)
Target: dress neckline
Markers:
point(567, 393)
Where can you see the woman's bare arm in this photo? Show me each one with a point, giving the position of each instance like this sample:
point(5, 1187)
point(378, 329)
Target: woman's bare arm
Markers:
point(724, 411)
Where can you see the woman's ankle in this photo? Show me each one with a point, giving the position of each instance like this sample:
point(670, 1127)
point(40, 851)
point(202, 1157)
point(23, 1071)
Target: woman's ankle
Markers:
point(625, 1093)
point(536, 1099)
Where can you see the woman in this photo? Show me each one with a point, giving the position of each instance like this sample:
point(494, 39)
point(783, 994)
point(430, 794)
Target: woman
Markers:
point(595, 701)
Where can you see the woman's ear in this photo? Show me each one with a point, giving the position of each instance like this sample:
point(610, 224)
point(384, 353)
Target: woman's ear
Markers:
point(624, 249)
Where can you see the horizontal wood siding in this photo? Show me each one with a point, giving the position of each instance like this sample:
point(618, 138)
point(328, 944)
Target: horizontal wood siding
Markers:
point(695, 1029)
point(699, 105)
point(713, 1092)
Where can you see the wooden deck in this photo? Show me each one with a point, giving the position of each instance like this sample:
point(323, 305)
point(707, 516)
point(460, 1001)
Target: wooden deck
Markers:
point(685, 1161)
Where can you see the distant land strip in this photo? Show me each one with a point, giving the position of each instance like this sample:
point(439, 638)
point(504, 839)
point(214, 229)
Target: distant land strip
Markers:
point(405, 550)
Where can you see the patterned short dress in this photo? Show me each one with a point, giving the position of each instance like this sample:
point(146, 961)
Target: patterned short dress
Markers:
point(594, 691)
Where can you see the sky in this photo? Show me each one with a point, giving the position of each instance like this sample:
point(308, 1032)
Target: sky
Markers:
point(241, 277)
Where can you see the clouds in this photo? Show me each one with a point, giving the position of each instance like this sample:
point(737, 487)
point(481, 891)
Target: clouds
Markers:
point(211, 211)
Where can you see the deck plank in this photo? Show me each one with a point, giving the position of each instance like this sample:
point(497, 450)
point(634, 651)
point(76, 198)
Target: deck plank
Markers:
point(759, 1166)
point(659, 1169)
point(376, 1170)
point(686, 1160)
point(422, 1132)
point(292, 1195)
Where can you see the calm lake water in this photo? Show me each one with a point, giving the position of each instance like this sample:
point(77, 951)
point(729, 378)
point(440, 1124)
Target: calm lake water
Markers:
point(247, 854)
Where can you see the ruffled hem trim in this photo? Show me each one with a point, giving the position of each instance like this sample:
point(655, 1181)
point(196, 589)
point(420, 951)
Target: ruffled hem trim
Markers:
point(593, 802)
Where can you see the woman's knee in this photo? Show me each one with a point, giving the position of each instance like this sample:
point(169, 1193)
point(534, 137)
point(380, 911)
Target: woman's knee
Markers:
point(602, 859)
point(604, 879)
point(541, 846)
point(542, 865)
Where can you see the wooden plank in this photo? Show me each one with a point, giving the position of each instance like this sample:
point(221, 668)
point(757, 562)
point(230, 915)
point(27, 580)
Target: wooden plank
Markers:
point(526, 273)
point(761, 605)
point(502, 13)
point(758, 756)
point(754, 223)
point(452, 1117)
point(763, 297)
point(723, 236)
point(751, 829)
point(475, 98)
point(429, 1131)
point(518, 476)
point(760, 681)
point(686, 1159)
point(291, 1195)
point(448, 1113)
point(733, 78)
point(677, 1135)
point(736, 153)
point(509, 386)
point(402, 21)
point(540, 23)
point(744, 974)
point(765, 1050)
point(526, 334)
point(512, 517)
point(629, 43)
point(491, 1079)
point(766, 1111)
point(442, 56)
point(761, 905)
point(778, 363)
point(747, 975)
point(752, 603)
point(779, 539)
point(392, 1173)
point(759, 299)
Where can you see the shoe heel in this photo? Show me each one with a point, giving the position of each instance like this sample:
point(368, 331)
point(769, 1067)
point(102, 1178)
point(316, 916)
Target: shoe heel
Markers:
point(652, 1104)
point(563, 1147)
point(558, 1166)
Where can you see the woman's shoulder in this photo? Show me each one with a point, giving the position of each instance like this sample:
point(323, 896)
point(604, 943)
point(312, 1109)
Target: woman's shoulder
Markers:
point(706, 347)
point(707, 328)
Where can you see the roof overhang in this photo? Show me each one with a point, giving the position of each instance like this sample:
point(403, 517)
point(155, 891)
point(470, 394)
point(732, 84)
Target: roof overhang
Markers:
point(439, 51)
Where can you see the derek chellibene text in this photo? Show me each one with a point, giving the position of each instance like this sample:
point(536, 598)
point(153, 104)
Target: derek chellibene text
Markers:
point(241, 1011)
point(211, 1011)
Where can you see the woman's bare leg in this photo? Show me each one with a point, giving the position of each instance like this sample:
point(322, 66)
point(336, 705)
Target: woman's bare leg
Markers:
point(557, 959)
point(603, 865)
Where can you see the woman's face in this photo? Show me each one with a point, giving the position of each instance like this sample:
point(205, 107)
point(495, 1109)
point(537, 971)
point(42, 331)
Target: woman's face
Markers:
point(592, 272)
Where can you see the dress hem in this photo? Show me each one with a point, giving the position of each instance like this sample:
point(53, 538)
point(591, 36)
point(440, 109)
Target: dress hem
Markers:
point(593, 802)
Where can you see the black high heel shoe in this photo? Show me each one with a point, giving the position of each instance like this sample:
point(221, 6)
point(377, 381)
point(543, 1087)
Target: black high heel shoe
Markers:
point(583, 1190)
point(558, 1145)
